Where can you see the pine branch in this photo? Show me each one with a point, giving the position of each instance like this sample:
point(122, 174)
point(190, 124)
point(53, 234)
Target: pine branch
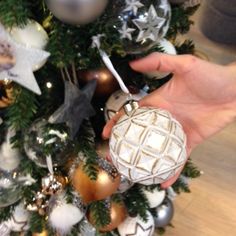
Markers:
point(37, 223)
point(6, 212)
point(100, 213)
point(14, 12)
point(180, 21)
point(187, 47)
point(181, 186)
point(136, 202)
point(190, 170)
point(21, 112)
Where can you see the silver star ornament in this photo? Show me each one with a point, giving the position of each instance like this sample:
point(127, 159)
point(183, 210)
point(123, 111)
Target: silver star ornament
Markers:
point(25, 60)
point(126, 32)
point(133, 5)
point(149, 25)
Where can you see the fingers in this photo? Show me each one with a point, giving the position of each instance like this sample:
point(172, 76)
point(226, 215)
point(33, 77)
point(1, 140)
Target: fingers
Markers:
point(164, 63)
point(106, 133)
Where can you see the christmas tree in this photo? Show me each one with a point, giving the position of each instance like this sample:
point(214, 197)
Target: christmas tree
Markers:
point(58, 87)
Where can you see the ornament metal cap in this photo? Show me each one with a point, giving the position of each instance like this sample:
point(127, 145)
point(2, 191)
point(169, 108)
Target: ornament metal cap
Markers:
point(130, 106)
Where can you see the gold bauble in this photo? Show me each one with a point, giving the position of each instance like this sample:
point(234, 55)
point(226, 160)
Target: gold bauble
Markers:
point(93, 190)
point(6, 93)
point(43, 233)
point(118, 214)
point(106, 82)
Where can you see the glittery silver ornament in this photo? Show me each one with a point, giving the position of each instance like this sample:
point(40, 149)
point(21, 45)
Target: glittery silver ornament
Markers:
point(10, 188)
point(42, 135)
point(165, 213)
point(86, 229)
point(148, 145)
point(141, 23)
point(77, 12)
point(125, 184)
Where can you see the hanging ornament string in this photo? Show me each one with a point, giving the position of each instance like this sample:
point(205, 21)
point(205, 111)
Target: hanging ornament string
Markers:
point(97, 44)
point(60, 135)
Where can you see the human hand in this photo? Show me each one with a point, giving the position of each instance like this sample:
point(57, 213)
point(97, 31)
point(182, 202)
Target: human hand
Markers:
point(201, 96)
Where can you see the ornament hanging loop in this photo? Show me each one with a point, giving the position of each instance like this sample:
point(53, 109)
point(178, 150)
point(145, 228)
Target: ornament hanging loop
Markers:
point(130, 106)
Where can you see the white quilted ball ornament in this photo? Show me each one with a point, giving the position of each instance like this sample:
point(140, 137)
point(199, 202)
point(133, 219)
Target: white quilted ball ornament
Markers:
point(118, 99)
point(147, 145)
point(135, 226)
point(168, 48)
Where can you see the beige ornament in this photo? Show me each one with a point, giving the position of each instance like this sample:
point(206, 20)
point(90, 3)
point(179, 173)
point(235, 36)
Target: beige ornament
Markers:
point(148, 146)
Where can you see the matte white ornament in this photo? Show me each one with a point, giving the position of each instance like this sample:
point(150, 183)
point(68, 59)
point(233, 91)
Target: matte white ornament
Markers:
point(64, 216)
point(19, 219)
point(31, 35)
point(9, 156)
point(155, 197)
point(25, 60)
point(148, 146)
point(4, 229)
point(135, 226)
point(168, 48)
point(118, 99)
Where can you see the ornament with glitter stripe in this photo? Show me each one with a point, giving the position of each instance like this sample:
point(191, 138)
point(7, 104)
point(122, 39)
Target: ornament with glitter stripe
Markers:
point(148, 146)
point(141, 23)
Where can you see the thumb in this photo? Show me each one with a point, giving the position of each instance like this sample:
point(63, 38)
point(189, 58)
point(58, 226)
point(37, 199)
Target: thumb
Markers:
point(164, 63)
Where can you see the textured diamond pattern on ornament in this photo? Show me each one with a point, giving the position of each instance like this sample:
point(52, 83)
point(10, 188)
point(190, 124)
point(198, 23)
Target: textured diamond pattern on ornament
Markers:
point(148, 146)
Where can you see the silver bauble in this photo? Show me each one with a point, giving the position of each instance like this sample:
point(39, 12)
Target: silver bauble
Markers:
point(77, 12)
point(10, 188)
point(59, 143)
point(165, 213)
point(125, 184)
point(141, 23)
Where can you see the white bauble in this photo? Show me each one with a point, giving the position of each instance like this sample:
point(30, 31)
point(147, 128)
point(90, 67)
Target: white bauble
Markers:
point(135, 226)
point(117, 100)
point(4, 229)
point(19, 220)
point(148, 146)
point(9, 156)
point(168, 48)
point(64, 216)
point(32, 35)
point(155, 197)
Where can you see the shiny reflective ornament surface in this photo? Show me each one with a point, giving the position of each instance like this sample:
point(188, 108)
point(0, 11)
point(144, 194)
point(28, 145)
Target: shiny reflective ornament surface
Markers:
point(118, 99)
point(125, 184)
point(118, 214)
point(167, 48)
point(77, 12)
point(148, 146)
point(106, 82)
point(32, 35)
point(10, 188)
point(165, 213)
point(43, 233)
point(105, 185)
point(53, 184)
point(41, 136)
point(135, 226)
point(141, 23)
point(6, 93)
point(86, 229)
